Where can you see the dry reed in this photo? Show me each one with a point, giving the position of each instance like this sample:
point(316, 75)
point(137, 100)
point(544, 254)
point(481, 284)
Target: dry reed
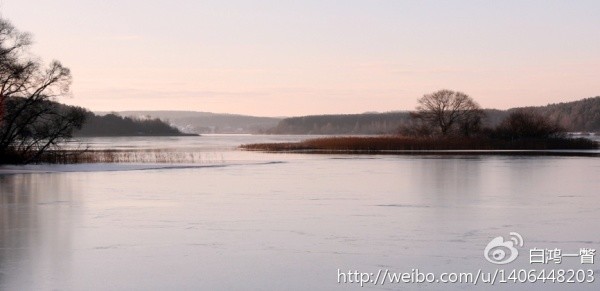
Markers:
point(401, 143)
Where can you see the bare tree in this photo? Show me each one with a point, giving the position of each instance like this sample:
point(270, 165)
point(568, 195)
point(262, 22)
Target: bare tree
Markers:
point(524, 123)
point(30, 123)
point(449, 111)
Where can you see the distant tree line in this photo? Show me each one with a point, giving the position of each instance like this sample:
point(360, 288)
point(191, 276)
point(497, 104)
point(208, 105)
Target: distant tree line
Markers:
point(443, 120)
point(366, 123)
point(449, 113)
point(115, 125)
point(579, 116)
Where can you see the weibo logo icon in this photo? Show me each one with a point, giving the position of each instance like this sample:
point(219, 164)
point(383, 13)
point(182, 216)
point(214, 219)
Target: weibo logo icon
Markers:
point(501, 252)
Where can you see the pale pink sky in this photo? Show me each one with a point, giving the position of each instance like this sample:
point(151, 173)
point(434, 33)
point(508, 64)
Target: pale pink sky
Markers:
point(283, 58)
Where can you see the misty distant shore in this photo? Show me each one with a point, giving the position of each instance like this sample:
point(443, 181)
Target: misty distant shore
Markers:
point(577, 116)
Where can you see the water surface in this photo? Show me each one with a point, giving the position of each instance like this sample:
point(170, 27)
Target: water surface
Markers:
point(256, 221)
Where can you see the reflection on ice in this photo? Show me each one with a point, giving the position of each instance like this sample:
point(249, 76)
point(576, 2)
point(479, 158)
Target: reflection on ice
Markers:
point(110, 167)
point(286, 222)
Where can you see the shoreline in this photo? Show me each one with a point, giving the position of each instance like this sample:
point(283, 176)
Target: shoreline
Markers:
point(401, 145)
point(564, 153)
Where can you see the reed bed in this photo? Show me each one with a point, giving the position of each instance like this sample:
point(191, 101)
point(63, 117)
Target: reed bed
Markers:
point(130, 156)
point(402, 143)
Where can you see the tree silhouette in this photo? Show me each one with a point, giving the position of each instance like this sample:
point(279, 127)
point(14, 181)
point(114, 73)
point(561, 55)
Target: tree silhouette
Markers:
point(30, 124)
point(449, 111)
point(525, 123)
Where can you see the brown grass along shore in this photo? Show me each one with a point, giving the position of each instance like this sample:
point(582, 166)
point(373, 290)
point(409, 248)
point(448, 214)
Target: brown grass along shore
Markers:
point(425, 145)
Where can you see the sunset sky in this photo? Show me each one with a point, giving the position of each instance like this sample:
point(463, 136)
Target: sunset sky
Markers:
point(284, 58)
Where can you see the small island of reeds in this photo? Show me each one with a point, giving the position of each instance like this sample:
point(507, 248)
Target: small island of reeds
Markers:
point(431, 145)
point(449, 122)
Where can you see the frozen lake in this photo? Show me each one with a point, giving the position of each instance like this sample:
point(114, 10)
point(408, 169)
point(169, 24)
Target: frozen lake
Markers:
point(237, 220)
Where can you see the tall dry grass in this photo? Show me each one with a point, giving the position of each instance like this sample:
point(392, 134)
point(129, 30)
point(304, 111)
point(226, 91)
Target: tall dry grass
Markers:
point(130, 156)
point(402, 143)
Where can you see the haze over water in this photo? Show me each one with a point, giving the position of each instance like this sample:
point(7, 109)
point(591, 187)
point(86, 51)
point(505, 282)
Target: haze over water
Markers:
point(256, 221)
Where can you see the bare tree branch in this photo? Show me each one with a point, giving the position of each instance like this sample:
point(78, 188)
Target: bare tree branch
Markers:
point(30, 121)
point(449, 112)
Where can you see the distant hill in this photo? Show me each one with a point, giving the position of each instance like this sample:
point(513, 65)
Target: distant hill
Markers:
point(206, 122)
point(578, 116)
point(582, 115)
point(366, 123)
point(114, 125)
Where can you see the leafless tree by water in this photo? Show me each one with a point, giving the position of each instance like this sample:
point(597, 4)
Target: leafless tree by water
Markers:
point(525, 123)
point(447, 111)
point(30, 122)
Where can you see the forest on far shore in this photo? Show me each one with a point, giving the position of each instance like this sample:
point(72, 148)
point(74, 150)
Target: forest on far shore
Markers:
point(577, 116)
point(115, 125)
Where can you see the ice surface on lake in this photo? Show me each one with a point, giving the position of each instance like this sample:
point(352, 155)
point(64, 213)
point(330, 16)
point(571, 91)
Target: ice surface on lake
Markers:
point(286, 221)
